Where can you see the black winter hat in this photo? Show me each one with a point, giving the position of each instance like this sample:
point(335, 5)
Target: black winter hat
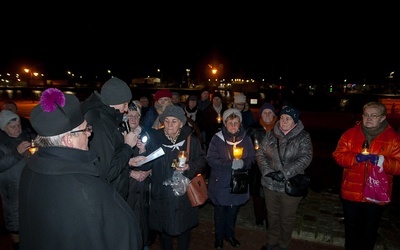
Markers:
point(292, 112)
point(56, 113)
point(115, 91)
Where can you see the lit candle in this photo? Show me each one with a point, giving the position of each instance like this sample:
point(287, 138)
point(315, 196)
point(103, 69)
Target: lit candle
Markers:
point(365, 148)
point(237, 152)
point(33, 148)
point(219, 118)
point(182, 158)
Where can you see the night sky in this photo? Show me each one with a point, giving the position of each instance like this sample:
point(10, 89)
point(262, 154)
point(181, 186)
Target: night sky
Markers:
point(298, 43)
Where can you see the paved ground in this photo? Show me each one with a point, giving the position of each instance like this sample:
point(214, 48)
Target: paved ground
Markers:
point(319, 226)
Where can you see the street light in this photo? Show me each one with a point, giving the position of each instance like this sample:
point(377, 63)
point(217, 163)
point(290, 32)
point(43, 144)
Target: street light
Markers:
point(31, 74)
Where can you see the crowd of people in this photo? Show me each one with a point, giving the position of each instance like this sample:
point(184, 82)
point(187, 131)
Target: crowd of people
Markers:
point(92, 185)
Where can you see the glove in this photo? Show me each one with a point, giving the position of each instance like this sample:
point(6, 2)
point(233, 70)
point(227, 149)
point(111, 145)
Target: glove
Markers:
point(374, 159)
point(276, 176)
point(237, 164)
point(362, 158)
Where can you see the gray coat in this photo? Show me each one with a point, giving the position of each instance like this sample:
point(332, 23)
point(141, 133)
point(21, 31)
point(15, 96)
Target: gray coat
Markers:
point(295, 148)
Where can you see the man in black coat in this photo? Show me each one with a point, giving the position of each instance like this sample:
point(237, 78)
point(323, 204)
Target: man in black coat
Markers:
point(63, 202)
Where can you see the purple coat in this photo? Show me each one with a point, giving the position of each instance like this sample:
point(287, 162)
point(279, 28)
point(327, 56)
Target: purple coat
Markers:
point(220, 160)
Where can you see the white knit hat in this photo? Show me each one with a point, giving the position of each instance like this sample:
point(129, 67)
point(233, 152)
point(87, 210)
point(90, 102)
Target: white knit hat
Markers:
point(5, 117)
point(230, 111)
point(240, 98)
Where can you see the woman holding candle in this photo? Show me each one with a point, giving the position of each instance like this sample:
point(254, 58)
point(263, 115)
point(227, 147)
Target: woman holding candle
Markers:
point(222, 158)
point(172, 215)
point(284, 152)
point(15, 142)
point(257, 132)
point(370, 144)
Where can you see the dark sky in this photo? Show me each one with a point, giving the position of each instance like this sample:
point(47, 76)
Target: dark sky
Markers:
point(298, 43)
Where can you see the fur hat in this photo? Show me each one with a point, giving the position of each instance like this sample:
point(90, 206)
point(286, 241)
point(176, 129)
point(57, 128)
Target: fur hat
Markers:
point(265, 106)
point(174, 111)
point(230, 111)
point(5, 117)
point(56, 113)
point(115, 91)
point(292, 112)
point(162, 93)
point(240, 98)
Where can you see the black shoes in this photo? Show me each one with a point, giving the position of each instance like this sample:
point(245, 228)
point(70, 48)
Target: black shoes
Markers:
point(233, 241)
point(218, 244)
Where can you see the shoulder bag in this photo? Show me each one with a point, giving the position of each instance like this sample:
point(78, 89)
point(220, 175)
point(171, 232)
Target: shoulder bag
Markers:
point(197, 189)
point(297, 185)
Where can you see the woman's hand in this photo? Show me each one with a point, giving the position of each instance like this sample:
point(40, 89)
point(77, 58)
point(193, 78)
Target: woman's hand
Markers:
point(135, 161)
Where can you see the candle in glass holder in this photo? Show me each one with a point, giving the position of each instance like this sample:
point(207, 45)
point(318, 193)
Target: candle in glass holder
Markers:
point(256, 144)
point(237, 153)
point(219, 118)
point(182, 158)
point(365, 148)
point(33, 148)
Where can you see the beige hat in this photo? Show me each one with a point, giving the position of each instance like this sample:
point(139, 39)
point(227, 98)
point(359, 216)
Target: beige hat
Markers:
point(240, 98)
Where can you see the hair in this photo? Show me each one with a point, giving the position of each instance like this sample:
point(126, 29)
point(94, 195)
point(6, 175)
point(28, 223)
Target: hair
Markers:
point(50, 141)
point(135, 105)
point(7, 103)
point(377, 105)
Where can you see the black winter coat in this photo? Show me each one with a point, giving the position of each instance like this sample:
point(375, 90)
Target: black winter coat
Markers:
point(64, 205)
point(108, 142)
point(169, 213)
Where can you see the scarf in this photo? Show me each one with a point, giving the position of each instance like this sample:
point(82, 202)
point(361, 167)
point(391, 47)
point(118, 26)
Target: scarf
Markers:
point(371, 133)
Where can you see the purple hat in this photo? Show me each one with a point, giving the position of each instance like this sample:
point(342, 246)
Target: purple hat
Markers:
point(265, 106)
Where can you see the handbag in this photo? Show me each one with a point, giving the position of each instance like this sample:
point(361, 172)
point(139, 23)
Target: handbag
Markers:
point(197, 188)
point(377, 186)
point(197, 191)
point(239, 181)
point(297, 185)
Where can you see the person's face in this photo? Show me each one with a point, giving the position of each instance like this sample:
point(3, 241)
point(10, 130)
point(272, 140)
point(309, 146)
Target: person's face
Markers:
point(133, 119)
point(13, 128)
point(267, 116)
point(286, 122)
point(232, 125)
point(144, 102)
point(175, 99)
point(172, 125)
point(192, 104)
point(80, 139)
point(372, 117)
point(122, 108)
point(205, 95)
point(217, 101)
point(164, 101)
point(240, 105)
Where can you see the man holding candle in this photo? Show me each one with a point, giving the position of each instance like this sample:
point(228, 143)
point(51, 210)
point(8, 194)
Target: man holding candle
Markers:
point(222, 158)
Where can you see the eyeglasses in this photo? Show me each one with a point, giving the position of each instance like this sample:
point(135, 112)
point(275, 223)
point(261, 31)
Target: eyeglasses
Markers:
point(134, 117)
point(372, 116)
point(87, 129)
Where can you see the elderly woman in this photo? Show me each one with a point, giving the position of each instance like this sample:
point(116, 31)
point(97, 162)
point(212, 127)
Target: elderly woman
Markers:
point(284, 152)
point(173, 215)
point(221, 161)
point(15, 142)
point(139, 181)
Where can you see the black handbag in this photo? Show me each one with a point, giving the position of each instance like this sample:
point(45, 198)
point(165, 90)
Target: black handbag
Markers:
point(297, 185)
point(239, 181)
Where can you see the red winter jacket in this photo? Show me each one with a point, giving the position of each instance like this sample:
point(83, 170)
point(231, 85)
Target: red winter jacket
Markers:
point(354, 177)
